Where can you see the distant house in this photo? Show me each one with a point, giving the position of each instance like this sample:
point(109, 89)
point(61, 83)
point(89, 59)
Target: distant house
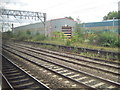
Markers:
point(51, 26)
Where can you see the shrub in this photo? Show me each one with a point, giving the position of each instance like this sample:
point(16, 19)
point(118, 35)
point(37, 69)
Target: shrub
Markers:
point(38, 37)
point(92, 38)
point(108, 39)
point(68, 42)
point(117, 42)
point(78, 37)
point(23, 35)
point(7, 35)
point(58, 36)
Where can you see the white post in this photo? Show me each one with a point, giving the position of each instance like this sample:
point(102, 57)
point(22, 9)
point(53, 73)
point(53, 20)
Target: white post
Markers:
point(113, 22)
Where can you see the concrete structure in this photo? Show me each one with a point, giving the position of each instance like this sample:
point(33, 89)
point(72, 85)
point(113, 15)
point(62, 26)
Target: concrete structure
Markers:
point(51, 26)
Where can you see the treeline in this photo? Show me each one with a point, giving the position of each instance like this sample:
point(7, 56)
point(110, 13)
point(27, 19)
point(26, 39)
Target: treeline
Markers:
point(112, 15)
point(106, 39)
point(23, 35)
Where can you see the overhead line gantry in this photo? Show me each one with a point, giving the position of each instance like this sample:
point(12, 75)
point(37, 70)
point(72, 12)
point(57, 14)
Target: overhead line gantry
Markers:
point(24, 14)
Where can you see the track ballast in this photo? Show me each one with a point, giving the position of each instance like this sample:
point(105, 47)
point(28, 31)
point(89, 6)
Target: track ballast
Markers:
point(84, 78)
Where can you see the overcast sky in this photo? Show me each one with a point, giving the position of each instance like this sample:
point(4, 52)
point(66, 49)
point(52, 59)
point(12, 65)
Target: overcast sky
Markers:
point(86, 10)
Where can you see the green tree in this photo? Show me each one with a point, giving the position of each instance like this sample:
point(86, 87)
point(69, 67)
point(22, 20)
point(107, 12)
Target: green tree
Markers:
point(69, 18)
point(111, 15)
point(39, 37)
point(58, 35)
point(79, 35)
point(28, 32)
point(78, 30)
point(7, 34)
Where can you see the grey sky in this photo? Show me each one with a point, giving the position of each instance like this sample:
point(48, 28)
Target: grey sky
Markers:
point(86, 10)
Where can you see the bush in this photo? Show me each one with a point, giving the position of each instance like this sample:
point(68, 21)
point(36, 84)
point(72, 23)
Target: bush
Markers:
point(26, 35)
point(92, 38)
point(68, 43)
point(58, 36)
point(108, 39)
point(7, 35)
point(78, 37)
point(38, 37)
point(117, 42)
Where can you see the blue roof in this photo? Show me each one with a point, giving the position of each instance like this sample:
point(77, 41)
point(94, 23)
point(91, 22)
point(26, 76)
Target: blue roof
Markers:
point(103, 23)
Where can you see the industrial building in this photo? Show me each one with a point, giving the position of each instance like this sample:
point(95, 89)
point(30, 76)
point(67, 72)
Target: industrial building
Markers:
point(55, 25)
point(50, 26)
point(107, 25)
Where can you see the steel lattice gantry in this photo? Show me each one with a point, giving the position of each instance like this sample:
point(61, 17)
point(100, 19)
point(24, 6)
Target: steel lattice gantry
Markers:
point(24, 14)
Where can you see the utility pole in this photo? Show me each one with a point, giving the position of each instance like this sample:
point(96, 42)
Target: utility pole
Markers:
point(45, 23)
point(12, 27)
point(2, 28)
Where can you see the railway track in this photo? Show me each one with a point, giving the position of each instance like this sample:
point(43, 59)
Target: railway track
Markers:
point(90, 81)
point(17, 78)
point(80, 49)
point(111, 69)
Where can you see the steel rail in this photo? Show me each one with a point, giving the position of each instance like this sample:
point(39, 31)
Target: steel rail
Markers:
point(81, 50)
point(65, 55)
point(105, 80)
point(91, 88)
point(37, 82)
point(73, 61)
point(9, 85)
